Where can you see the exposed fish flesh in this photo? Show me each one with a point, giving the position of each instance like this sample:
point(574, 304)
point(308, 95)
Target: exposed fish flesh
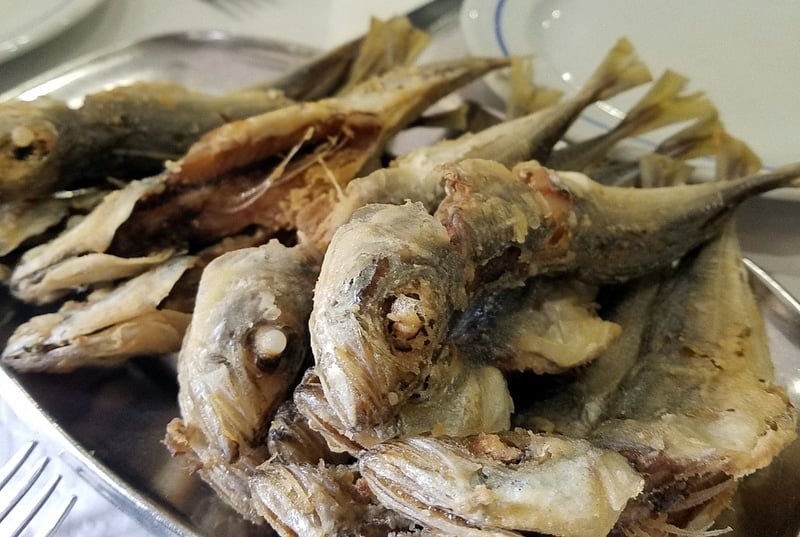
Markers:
point(549, 326)
point(129, 131)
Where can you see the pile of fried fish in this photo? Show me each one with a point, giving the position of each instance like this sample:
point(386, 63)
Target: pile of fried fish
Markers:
point(494, 334)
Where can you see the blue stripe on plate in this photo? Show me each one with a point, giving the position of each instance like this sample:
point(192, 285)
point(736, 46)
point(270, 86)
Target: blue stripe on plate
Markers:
point(498, 13)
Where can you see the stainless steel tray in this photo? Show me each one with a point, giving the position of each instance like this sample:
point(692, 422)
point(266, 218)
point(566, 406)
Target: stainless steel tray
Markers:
point(112, 422)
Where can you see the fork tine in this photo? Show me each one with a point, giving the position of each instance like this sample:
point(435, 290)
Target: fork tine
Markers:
point(25, 486)
point(22, 485)
point(52, 524)
point(13, 464)
point(41, 498)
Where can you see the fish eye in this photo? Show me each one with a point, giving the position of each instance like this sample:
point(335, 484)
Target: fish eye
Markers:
point(267, 342)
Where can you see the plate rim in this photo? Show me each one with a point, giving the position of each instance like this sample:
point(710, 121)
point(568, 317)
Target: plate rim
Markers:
point(59, 20)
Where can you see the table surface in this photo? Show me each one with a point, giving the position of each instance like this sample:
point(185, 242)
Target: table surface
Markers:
point(769, 227)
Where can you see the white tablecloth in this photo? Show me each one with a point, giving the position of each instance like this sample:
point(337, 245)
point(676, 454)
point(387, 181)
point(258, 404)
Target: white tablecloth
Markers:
point(770, 228)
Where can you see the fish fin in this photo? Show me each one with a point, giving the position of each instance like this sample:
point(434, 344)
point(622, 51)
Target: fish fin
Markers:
point(663, 104)
point(524, 95)
point(658, 170)
point(620, 70)
point(734, 157)
point(693, 141)
point(388, 44)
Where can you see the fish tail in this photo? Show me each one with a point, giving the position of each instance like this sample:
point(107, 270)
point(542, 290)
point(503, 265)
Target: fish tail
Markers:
point(524, 95)
point(734, 157)
point(620, 70)
point(696, 140)
point(663, 104)
point(658, 170)
point(387, 44)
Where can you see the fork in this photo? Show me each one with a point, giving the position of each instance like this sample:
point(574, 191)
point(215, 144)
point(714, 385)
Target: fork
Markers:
point(20, 475)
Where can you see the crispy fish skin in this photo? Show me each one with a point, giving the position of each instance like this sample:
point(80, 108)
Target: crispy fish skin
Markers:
point(51, 270)
point(243, 351)
point(576, 406)
point(494, 484)
point(460, 396)
point(701, 396)
point(533, 220)
point(109, 328)
point(300, 500)
point(384, 272)
point(123, 132)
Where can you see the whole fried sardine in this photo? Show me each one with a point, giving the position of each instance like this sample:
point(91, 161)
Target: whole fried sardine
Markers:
point(359, 292)
point(244, 350)
point(128, 132)
point(700, 399)
point(534, 221)
point(125, 132)
point(488, 485)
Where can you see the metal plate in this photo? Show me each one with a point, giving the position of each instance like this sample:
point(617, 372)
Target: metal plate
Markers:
point(112, 422)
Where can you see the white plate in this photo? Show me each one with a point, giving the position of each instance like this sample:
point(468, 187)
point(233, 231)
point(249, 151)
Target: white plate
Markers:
point(25, 24)
point(745, 55)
